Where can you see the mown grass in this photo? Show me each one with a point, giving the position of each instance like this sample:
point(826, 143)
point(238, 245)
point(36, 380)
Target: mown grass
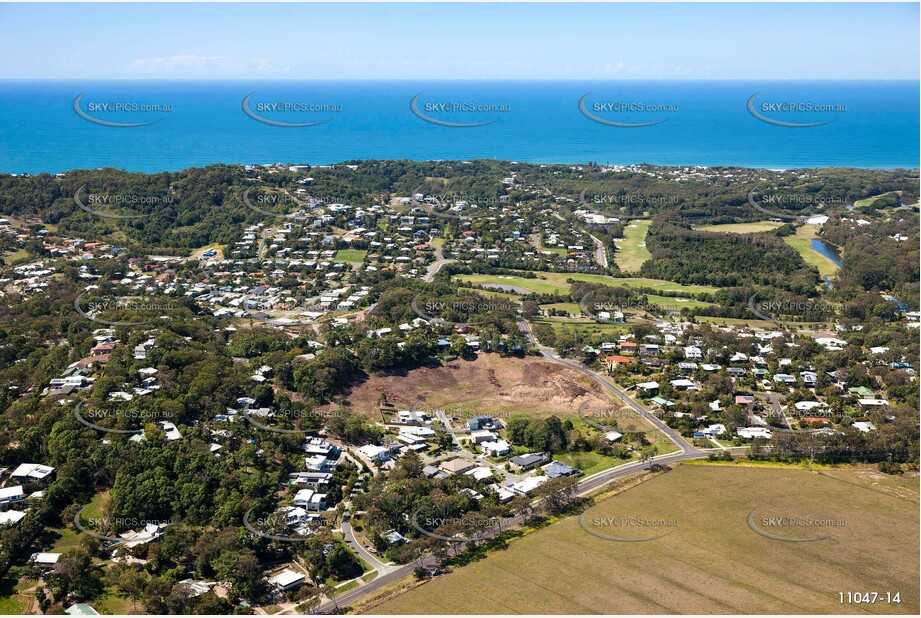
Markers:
point(632, 251)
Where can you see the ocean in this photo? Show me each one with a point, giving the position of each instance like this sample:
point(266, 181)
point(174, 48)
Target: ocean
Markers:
point(867, 124)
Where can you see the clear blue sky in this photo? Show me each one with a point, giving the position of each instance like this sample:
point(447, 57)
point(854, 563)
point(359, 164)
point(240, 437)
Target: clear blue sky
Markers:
point(460, 41)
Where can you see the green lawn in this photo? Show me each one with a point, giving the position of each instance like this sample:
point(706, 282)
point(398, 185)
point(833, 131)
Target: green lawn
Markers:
point(632, 252)
point(96, 506)
point(590, 462)
point(20, 255)
point(669, 302)
point(68, 539)
point(560, 325)
point(10, 605)
point(113, 604)
point(742, 228)
point(351, 255)
point(555, 283)
point(802, 242)
point(735, 321)
point(570, 308)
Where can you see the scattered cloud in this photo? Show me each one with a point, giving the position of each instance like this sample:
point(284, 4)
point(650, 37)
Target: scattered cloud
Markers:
point(194, 64)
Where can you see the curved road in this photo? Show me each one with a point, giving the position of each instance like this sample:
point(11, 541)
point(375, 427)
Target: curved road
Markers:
point(550, 354)
point(435, 266)
point(687, 451)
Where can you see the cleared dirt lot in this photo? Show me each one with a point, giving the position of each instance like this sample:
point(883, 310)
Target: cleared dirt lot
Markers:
point(489, 384)
point(710, 561)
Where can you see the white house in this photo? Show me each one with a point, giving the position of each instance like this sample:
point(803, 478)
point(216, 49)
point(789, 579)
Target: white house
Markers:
point(496, 448)
point(750, 433)
point(31, 473)
point(287, 580)
point(310, 500)
point(375, 453)
point(11, 495)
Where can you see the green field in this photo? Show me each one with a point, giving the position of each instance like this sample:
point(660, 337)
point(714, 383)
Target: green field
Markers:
point(555, 283)
point(632, 252)
point(709, 560)
point(736, 321)
point(677, 303)
point(869, 200)
point(560, 325)
point(351, 255)
point(742, 228)
point(10, 603)
point(802, 243)
point(570, 308)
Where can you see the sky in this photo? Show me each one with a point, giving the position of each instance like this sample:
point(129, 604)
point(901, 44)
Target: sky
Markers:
point(460, 41)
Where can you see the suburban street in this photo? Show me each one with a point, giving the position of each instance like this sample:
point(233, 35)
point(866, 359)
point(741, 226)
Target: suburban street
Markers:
point(585, 486)
point(435, 266)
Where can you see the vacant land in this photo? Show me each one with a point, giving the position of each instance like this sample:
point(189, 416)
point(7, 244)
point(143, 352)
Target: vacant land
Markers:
point(555, 283)
point(709, 560)
point(632, 251)
point(489, 384)
point(742, 228)
point(802, 242)
point(351, 255)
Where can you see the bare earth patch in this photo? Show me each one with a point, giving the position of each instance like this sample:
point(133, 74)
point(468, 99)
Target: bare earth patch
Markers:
point(487, 384)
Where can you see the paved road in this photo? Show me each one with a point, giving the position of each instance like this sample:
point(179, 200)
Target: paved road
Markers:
point(585, 486)
point(601, 255)
point(550, 354)
point(687, 451)
point(349, 536)
point(435, 266)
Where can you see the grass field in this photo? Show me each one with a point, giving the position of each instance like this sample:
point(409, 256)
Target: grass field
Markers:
point(869, 200)
point(351, 255)
point(560, 325)
point(710, 560)
point(10, 603)
point(15, 257)
point(678, 303)
point(802, 243)
point(736, 321)
point(632, 252)
point(742, 228)
point(555, 283)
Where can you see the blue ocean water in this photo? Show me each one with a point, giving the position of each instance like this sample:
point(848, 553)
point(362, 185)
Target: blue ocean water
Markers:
point(873, 124)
